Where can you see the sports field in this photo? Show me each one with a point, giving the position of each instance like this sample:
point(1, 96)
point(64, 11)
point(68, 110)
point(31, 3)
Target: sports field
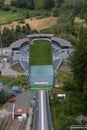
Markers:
point(40, 53)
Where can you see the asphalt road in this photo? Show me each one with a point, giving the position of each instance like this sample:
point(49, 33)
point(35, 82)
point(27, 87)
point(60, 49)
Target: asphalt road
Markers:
point(42, 120)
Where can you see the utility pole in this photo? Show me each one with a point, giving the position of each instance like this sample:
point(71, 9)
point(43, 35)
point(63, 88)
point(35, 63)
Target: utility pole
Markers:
point(1, 48)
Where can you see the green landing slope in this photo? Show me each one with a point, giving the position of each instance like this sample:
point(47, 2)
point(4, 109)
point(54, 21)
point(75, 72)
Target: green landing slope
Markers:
point(40, 53)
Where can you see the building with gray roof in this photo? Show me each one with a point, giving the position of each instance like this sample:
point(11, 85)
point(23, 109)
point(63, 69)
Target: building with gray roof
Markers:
point(61, 42)
point(18, 43)
point(64, 45)
point(40, 36)
point(15, 49)
point(81, 119)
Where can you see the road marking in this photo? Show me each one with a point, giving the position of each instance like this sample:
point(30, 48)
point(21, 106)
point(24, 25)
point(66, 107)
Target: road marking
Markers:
point(42, 111)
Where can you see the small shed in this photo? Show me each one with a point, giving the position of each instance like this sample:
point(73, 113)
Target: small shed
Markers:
point(16, 89)
point(19, 111)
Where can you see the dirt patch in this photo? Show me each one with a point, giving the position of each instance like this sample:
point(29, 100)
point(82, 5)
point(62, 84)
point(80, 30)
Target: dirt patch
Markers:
point(7, 2)
point(77, 19)
point(34, 23)
point(64, 67)
point(81, 21)
point(12, 101)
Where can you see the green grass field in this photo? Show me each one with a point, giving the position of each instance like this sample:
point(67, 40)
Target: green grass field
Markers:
point(10, 16)
point(40, 53)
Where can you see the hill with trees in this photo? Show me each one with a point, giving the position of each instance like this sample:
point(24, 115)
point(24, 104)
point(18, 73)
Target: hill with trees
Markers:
point(65, 112)
point(65, 10)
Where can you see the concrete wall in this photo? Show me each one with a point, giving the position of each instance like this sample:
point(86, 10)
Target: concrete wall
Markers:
point(65, 53)
point(6, 51)
point(16, 55)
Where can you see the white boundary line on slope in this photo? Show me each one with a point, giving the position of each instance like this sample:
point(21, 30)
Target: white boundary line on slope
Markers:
point(42, 111)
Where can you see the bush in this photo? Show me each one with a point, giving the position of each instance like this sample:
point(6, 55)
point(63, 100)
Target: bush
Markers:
point(4, 97)
point(6, 8)
point(54, 11)
point(14, 10)
point(69, 85)
point(27, 15)
point(19, 80)
point(66, 122)
point(22, 20)
point(13, 3)
point(34, 31)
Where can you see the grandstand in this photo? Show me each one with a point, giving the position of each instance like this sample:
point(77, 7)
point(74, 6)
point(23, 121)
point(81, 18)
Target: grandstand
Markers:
point(57, 58)
point(57, 63)
point(24, 62)
point(24, 50)
point(63, 46)
point(20, 50)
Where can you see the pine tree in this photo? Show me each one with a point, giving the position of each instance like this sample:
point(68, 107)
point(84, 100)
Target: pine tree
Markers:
point(48, 4)
point(79, 62)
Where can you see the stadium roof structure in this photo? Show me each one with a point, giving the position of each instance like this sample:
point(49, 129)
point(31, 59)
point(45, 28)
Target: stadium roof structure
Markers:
point(40, 36)
point(41, 76)
point(18, 43)
point(81, 118)
point(61, 42)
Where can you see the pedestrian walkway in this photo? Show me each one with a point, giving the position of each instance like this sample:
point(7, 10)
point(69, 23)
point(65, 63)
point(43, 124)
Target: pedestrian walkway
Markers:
point(6, 70)
point(4, 112)
point(29, 119)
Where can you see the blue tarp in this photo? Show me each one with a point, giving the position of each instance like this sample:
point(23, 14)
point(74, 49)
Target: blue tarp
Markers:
point(15, 88)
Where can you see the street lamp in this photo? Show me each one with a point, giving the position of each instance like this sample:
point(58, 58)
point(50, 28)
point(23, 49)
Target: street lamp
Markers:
point(1, 49)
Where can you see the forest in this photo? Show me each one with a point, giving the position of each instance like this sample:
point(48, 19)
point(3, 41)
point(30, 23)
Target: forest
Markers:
point(74, 86)
point(65, 10)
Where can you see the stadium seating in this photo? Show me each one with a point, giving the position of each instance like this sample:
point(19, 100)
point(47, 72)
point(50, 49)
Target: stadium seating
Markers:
point(57, 60)
point(24, 50)
point(24, 62)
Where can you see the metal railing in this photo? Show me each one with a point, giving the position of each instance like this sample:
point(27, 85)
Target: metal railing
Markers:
point(78, 127)
point(21, 126)
point(6, 123)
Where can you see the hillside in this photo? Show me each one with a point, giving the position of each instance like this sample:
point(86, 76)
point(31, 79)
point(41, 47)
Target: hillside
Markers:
point(34, 23)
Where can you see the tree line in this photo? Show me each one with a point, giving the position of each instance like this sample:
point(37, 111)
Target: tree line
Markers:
point(76, 87)
point(66, 111)
point(11, 35)
point(79, 7)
